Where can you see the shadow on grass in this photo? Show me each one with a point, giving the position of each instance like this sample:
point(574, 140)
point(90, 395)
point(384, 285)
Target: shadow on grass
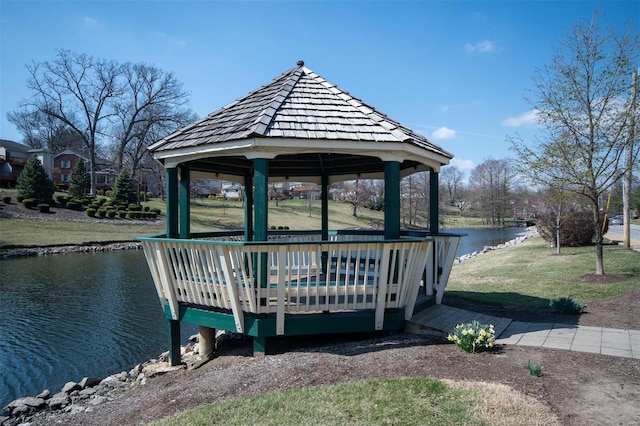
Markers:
point(517, 307)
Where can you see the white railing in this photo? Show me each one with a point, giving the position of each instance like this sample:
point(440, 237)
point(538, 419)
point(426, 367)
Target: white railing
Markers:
point(441, 257)
point(288, 277)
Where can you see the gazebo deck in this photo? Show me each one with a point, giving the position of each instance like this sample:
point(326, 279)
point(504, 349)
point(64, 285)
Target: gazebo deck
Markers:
point(295, 283)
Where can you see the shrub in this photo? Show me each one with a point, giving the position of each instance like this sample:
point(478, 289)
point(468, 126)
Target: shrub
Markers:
point(91, 212)
point(156, 210)
point(111, 213)
point(62, 199)
point(102, 200)
point(80, 182)
point(96, 205)
point(19, 198)
point(43, 208)
point(34, 181)
point(6, 199)
point(473, 336)
point(149, 195)
point(101, 212)
point(576, 230)
point(146, 208)
point(534, 368)
point(29, 203)
point(122, 214)
point(73, 205)
point(51, 202)
point(135, 207)
point(567, 305)
point(123, 189)
point(109, 193)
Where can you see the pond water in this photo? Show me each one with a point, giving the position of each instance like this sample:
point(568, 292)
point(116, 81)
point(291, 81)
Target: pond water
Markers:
point(69, 316)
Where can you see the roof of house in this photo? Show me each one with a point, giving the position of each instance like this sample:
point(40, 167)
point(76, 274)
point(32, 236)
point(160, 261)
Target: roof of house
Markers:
point(298, 114)
point(69, 152)
point(14, 146)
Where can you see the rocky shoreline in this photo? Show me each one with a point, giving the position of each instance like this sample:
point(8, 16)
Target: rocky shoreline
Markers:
point(531, 231)
point(92, 247)
point(83, 396)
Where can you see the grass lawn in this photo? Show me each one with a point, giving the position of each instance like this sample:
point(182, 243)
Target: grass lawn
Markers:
point(421, 401)
point(531, 274)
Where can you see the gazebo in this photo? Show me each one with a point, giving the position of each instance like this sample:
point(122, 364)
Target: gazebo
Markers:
point(262, 283)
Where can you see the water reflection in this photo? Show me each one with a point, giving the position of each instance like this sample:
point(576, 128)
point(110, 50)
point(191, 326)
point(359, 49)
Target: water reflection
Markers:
point(69, 316)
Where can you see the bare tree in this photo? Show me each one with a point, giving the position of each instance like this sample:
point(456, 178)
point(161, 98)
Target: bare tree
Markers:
point(152, 104)
point(492, 183)
point(451, 181)
point(40, 130)
point(580, 99)
point(76, 90)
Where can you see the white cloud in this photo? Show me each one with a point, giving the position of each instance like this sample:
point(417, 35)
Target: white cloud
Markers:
point(443, 133)
point(485, 46)
point(463, 165)
point(444, 108)
point(89, 21)
point(527, 118)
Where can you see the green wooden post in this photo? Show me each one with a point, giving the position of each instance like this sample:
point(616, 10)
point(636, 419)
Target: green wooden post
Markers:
point(172, 202)
point(261, 198)
point(259, 345)
point(174, 342)
point(185, 211)
point(434, 219)
point(248, 208)
point(325, 207)
point(391, 200)
point(324, 257)
point(261, 221)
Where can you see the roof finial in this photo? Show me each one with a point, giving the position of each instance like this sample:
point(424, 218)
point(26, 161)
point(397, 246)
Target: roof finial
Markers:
point(300, 63)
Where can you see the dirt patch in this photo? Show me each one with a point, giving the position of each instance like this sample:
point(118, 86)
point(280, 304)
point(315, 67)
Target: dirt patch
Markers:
point(580, 388)
point(600, 279)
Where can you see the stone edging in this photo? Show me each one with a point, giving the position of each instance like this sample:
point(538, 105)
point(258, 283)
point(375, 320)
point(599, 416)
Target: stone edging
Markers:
point(83, 248)
point(91, 391)
point(531, 231)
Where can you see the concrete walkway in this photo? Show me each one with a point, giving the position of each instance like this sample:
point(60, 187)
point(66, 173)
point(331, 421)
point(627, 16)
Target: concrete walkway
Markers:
point(441, 319)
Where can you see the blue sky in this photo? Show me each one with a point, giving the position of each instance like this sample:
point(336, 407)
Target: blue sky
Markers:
point(455, 71)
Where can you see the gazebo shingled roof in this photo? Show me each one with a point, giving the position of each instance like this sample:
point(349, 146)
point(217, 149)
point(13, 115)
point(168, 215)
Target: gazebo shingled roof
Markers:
point(307, 127)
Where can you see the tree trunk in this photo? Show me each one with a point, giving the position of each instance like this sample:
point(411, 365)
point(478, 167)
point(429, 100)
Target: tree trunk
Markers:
point(598, 239)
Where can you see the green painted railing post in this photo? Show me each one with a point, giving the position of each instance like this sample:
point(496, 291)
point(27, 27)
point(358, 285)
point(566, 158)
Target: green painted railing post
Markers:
point(261, 220)
point(324, 257)
point(174, 342)
point(261, 206)
point(261, 198)
point(248, 208)
point(325, 207)
point(185, 204)
point(434, 219)
point(172, 201)
point(391, 200)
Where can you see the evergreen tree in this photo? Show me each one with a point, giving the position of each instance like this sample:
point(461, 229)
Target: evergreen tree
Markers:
point(80, 180)
point(34, 182)
point(123, 189)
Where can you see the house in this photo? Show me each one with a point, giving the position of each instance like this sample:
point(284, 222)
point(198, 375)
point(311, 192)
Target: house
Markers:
point(231, 191)
point(14, 156)
point(306, 191)
point(64, 163)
